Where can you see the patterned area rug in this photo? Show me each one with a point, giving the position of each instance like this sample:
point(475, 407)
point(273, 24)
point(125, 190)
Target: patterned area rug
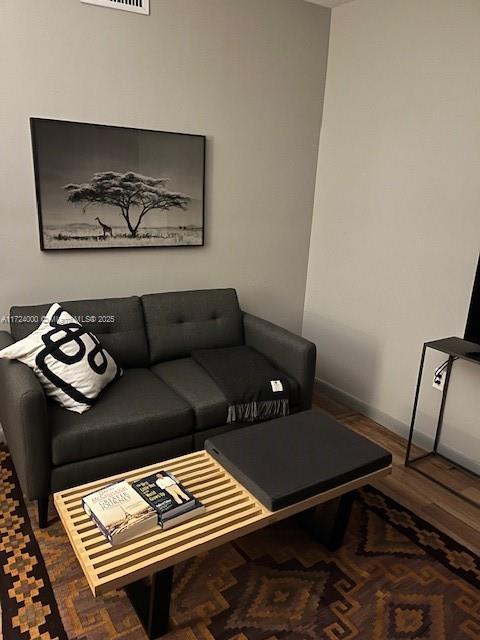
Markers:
point(395, 578)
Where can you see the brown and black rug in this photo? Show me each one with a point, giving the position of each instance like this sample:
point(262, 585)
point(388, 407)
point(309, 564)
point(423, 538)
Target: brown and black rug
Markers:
point(395, 578)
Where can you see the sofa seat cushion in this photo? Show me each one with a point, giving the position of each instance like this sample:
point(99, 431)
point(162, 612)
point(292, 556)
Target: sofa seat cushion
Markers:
point(190, 381)
point(135, 410)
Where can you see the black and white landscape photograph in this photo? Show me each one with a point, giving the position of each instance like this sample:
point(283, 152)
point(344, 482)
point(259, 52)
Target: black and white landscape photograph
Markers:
point(102, 187)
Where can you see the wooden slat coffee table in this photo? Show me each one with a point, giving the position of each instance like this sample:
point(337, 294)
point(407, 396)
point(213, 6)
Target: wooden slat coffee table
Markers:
point(144, 566)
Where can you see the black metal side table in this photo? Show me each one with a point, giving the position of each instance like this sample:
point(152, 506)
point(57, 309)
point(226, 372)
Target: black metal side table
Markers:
point(456, 349)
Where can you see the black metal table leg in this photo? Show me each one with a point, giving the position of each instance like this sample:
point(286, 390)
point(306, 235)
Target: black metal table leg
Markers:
point(415, 405)
point(329, 521)
point(151, 600)
point(455, 349)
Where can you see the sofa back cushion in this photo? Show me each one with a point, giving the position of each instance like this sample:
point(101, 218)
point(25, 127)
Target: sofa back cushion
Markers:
point(181, 321)
point(117, 322)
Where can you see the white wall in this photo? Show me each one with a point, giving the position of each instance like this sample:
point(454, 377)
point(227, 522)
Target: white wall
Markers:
point(247, 73)
point(396, 227)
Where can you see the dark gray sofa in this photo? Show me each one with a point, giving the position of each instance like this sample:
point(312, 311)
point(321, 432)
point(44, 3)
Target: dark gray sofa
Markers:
point(164, 405)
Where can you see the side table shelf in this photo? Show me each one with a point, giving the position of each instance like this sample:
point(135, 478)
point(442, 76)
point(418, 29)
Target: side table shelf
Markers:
point(455, 349)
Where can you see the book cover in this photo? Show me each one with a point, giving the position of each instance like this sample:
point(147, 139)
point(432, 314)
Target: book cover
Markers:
point(120, 512)
point(167, 495)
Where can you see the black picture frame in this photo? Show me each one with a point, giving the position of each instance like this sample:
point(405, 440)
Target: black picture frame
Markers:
point(48, 151)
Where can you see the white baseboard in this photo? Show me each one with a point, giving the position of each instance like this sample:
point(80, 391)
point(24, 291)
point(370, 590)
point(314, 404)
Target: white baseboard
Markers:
point(391, 423)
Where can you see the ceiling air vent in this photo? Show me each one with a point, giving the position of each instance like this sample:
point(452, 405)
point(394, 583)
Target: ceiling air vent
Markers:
point(136, 6)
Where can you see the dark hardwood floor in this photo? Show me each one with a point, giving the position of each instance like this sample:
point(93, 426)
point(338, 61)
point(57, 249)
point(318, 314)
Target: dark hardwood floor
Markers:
point(447, 512)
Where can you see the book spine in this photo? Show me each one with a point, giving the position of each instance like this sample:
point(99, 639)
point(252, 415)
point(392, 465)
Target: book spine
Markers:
point(94, 518)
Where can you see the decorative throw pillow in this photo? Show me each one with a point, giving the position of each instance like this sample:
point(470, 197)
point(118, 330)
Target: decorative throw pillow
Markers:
point(69, 361)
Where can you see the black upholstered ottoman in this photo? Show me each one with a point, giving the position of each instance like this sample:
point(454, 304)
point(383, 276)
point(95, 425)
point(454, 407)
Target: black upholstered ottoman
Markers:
point(288, 460)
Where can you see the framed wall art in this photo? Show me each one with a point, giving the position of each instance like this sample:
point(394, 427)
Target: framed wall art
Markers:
point(102, 186)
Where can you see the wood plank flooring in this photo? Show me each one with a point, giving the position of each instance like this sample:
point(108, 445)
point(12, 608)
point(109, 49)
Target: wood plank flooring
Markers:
point(449, 513)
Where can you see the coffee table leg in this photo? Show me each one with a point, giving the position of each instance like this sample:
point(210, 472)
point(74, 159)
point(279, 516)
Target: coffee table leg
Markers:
point(329, 521)
point(151, 600)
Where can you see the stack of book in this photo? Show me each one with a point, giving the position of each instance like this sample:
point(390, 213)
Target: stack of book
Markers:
point(170, 499)
point(123, 511)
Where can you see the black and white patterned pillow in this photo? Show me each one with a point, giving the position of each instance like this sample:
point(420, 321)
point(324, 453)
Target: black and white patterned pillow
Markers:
point(69, 361)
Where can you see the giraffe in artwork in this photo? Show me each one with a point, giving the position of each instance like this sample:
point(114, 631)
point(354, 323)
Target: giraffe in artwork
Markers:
point(107, 231)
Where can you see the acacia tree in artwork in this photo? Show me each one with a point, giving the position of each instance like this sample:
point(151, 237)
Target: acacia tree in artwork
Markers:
point(129, 192)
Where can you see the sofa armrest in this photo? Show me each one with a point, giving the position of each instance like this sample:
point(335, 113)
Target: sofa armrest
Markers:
point(23, 415)
point(293, 354)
